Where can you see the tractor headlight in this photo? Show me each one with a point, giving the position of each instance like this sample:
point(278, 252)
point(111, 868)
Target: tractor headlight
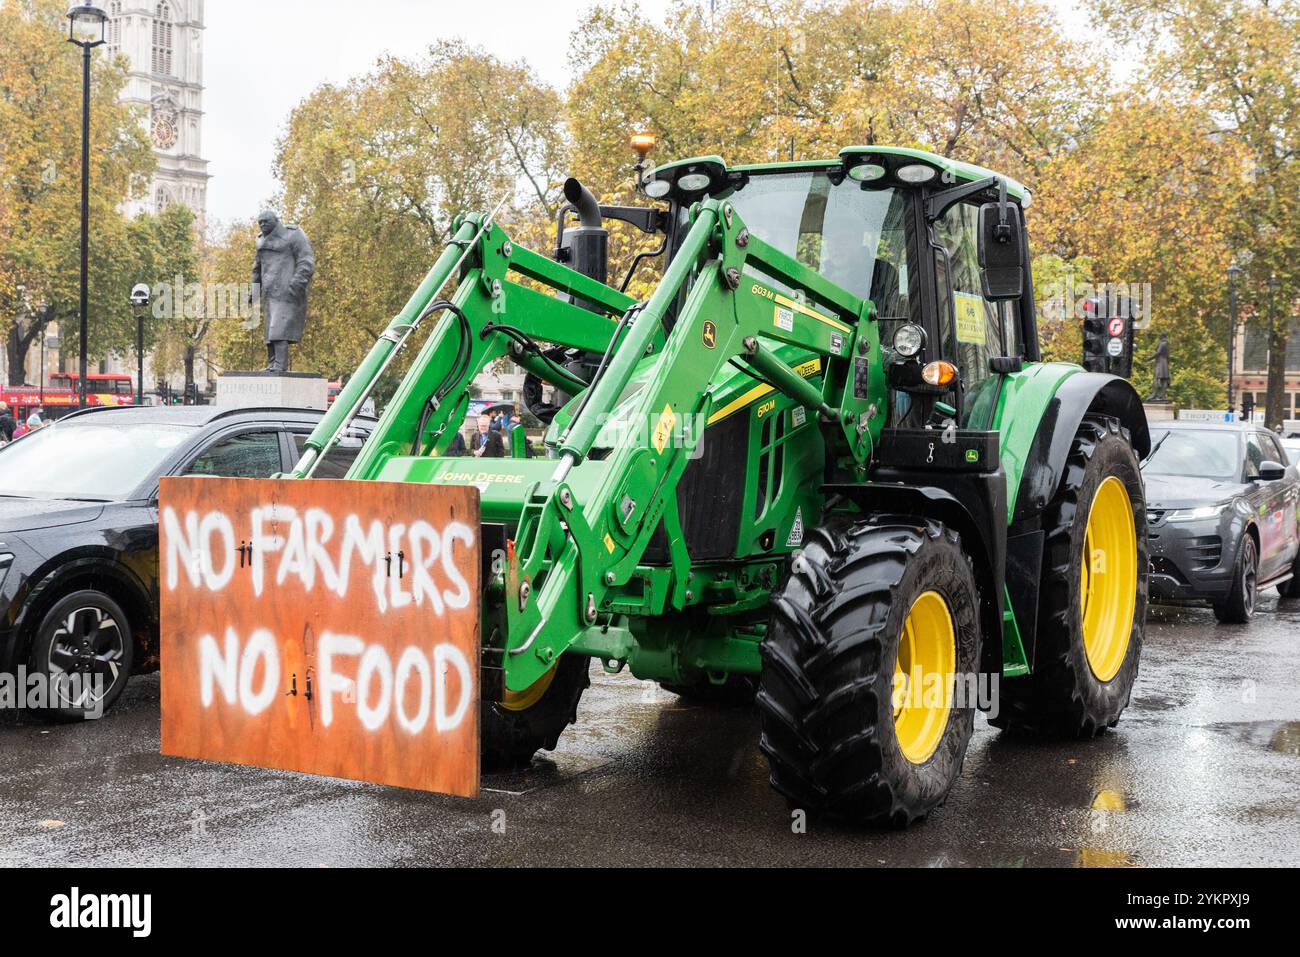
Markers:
point(693, 182)
point(657, 188)
point(909, 339)
point(916, 173)
point(866, 172)
point(1198, 513)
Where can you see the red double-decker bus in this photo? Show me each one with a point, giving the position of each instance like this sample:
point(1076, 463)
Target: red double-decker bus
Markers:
point(60, 394)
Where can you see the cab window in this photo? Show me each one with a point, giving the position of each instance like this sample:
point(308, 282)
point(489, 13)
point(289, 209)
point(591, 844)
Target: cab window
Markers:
point(972, 330)
point(856, 238)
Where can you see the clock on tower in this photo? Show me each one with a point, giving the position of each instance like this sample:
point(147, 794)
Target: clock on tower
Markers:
point(163, 130)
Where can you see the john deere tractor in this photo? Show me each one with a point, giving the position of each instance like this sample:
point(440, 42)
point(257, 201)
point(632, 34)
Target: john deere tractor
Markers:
point(821, 467)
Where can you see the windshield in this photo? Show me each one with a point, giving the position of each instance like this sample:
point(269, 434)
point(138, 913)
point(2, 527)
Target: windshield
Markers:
point(97, 462)
point(1195, 453)
point(853, 237)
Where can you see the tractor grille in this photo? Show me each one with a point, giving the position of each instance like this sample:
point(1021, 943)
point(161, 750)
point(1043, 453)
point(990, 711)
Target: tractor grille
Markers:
point(709, 495)
point(1205, 551)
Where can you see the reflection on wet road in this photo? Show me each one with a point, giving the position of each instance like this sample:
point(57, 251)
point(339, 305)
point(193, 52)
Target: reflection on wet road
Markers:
point(1203, 769)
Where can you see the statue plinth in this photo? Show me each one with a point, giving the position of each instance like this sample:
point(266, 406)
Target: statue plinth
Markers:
point(1159, 410)
point(272, 390)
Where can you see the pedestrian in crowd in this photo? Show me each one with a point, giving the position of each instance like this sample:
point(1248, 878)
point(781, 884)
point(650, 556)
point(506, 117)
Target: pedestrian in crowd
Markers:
point(487, 440)
point(458, 446)
point(7, 424)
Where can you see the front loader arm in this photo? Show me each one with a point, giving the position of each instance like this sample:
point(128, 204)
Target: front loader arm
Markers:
point(577, 542)
point(575, 551)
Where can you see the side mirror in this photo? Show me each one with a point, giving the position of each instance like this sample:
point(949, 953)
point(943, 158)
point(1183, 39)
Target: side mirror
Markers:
point(1271, 472)
point(1002, 251)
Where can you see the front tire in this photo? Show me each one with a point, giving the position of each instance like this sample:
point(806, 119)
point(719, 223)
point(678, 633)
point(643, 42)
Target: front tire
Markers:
point(868, 608)
point(529, 721)
point(84, 649)
point(1093, 595)
point(1238, 608)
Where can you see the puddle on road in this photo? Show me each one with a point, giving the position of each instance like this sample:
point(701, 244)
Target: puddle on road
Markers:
point(1282, 737)
point(1103, 857)
point(1286, 739)
point(544, 772)
point(1108, 800)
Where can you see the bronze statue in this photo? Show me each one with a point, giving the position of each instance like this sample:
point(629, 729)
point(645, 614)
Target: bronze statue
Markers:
point(1161, 381)
point(282, 271)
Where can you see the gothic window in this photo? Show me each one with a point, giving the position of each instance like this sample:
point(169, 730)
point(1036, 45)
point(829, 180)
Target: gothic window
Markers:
point(162, 199)
point(115, 27)
point(162, 39)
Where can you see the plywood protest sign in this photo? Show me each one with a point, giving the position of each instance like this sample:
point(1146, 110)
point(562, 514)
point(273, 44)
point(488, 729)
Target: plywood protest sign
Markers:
point(322, 626)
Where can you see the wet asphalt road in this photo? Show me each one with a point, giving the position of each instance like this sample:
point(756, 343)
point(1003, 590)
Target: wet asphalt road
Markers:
point(1203, 769)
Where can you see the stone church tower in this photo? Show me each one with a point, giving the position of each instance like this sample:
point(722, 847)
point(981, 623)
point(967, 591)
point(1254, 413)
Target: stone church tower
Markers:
point(163, 39)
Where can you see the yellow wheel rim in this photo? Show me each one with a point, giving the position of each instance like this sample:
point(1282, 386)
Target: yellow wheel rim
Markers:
point(923, 677)
point(523, 700)
point(1108, 579)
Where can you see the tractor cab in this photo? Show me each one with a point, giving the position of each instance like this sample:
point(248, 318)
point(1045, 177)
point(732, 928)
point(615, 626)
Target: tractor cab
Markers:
point(896, 226)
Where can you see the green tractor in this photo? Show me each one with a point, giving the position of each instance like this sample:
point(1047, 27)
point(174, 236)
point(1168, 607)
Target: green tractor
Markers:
point(821, 467)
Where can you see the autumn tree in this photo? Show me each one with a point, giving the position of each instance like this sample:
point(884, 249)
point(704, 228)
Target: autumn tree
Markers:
point(990, 82)
point(375, 170)
point(1235, 61)
point(40, 185)
point(1147, 199)
point(185, 306)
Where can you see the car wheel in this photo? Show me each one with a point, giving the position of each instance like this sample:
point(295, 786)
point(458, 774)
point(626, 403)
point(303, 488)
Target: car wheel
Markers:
point(1291, 587)
point(85, 650)
point(1239, 606)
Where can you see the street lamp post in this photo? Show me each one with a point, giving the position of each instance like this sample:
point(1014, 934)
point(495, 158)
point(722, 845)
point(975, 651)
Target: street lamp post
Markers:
point(86, 24)
point(1272, 291)
point(139, 302)
point(43, 310)
point(1234, 272)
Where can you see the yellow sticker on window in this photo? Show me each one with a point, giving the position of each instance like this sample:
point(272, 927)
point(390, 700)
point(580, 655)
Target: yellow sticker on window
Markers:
point(970, 318)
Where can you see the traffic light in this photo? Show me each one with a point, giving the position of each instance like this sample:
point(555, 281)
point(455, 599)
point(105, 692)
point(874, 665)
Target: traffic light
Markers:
point(1247, 406)
point(1094, 336)
point(1108, 334)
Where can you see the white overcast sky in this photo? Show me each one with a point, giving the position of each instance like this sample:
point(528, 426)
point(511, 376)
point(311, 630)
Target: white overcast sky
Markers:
point(262, 57)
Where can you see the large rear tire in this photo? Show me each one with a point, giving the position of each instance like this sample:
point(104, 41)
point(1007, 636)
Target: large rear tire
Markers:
point(870, 607)
point(1093, 595)
point(532, 720)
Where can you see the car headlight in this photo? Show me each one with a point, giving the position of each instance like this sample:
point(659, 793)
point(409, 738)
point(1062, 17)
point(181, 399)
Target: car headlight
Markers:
point(1199, 512)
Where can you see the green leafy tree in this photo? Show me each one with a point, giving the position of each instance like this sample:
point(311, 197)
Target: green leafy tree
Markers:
point(40, 185)
point(375, 170)
point(1235, 61)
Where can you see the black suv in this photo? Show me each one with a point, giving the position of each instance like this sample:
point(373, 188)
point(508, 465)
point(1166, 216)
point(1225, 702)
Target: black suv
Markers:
point(79, 529)
point(1221, 516)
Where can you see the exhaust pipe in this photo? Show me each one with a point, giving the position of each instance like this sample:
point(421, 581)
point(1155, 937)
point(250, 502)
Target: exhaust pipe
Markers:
point(585, 203)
